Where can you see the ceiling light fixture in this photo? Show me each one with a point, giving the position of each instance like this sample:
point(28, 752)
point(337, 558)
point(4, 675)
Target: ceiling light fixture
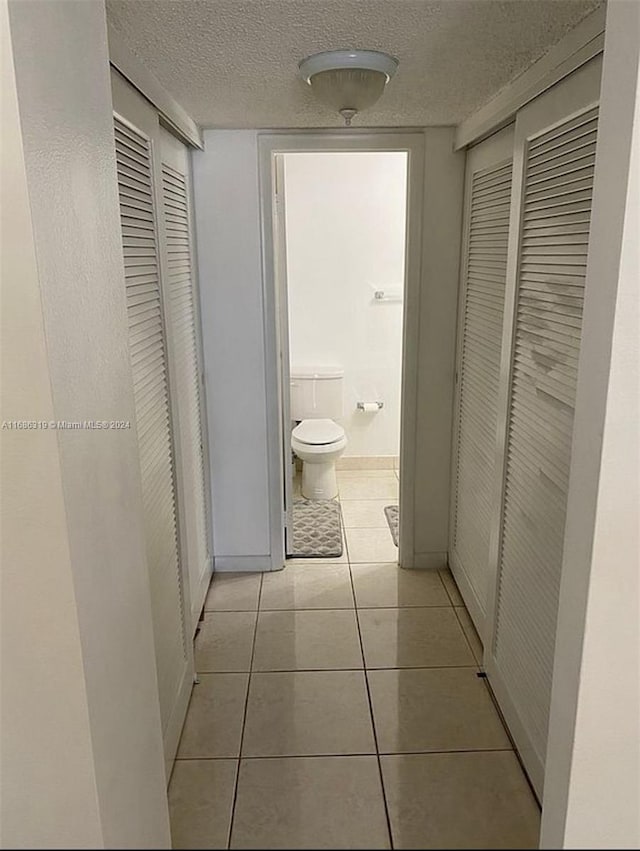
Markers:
point(348, 80)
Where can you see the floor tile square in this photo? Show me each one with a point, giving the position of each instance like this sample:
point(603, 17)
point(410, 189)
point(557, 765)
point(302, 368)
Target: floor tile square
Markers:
point(225, 642)
point(364, 513)
point(213, 725)
point(413, 638)
point(308, 713)
point(236, 592)
point(460, 800)
point(470, 631)
point(434, 709)
point(311, 802)
point(452, 588)
point(371, 545)
point(387, 585)
point(321, 639)
point(200, 802)
point(308, 585)
point(369, 487)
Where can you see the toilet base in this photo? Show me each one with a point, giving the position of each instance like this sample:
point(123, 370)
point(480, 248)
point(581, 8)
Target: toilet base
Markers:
point(319, 480)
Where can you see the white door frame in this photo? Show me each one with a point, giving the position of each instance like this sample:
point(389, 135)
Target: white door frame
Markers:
point(282, 312)
point(343, 141)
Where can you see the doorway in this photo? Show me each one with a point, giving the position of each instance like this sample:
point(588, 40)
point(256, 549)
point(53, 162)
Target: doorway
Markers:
point(342, 277)
point(341, 227)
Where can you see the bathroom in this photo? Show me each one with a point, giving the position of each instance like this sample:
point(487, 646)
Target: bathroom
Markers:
point(344, 239)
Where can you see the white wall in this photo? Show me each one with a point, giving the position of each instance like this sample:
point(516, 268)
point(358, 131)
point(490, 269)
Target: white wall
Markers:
point(442, 227)
point(345, 233)
point(592, 783)
point(228, 225)
point(225, 177)
point(41, 657)
point(82, 746)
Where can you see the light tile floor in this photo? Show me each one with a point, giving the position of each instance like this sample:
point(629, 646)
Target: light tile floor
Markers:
point(339, 707)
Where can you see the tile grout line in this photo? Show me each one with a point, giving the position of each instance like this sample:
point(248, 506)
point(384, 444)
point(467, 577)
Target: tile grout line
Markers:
point(244, 717)
point(373, 723)
point(514, 748)
point(343, 530)
point(473, 667)
point(478, 665)
point(446, 589)
point(510, 749)
point(335, 608)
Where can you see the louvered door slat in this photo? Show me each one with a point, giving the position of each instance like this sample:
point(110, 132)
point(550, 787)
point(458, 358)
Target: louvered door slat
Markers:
point(480, 339)
point(182, 318)
point(556, 203)
point(149, 371)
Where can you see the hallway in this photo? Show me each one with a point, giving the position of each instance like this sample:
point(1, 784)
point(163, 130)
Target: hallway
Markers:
point(339, 707)
point(332, 704)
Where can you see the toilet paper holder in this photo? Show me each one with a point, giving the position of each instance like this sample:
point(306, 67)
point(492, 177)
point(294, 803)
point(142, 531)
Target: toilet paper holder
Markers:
point(367, 406)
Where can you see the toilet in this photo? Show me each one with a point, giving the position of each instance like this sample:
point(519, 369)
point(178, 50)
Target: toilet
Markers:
point(316, 402)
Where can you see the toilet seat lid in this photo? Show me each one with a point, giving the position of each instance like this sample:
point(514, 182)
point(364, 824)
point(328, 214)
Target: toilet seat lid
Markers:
point(318, 432)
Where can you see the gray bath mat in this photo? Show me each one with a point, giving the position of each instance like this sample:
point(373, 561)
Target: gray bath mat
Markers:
point(317, 528)
point(393, 519)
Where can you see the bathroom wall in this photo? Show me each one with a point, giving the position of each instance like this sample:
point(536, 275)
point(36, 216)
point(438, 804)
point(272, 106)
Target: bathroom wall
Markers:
point(345, 229)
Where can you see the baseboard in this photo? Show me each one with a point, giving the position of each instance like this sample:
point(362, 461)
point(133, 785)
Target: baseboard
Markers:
point(175, 723)
point(367, 462)
point(430, 561)
point(468, 594)
point(199, 595)
point(241, 564)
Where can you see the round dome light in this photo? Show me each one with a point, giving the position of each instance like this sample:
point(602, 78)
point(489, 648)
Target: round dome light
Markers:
point(348, 80)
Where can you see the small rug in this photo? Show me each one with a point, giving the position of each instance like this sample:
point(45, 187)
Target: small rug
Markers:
point(317, 528)
point(392, 513)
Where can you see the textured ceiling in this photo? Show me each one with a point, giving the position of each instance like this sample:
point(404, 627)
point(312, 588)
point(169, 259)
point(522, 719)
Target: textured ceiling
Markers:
point(233, 63)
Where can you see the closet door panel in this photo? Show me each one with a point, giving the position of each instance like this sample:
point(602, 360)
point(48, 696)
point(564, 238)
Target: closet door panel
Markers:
point(484, 264)
point(184, 336)
point(555, 147)
point(135, 126)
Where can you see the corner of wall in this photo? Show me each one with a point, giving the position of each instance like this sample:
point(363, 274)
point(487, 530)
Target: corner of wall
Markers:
point(442, 228)
point(229, 240)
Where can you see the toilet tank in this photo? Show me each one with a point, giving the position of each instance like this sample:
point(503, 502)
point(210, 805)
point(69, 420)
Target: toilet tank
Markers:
point(316, 392)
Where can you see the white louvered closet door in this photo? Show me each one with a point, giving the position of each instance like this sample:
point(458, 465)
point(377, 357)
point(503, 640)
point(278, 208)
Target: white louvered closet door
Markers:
point(554, 168)
point(183, 324)
point(136, 174)
point(484, 267)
